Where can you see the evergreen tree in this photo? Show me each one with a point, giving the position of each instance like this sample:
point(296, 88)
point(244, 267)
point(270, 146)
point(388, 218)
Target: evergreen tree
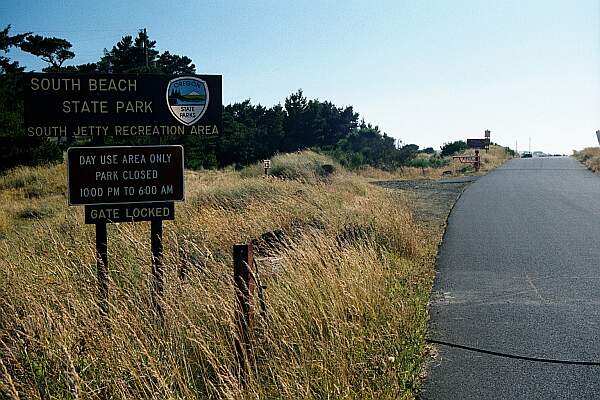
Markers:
point(297, 130)
point(129, 55)
point(52, 50)
point(173, 64)
point(17, 149)
point(6, 42)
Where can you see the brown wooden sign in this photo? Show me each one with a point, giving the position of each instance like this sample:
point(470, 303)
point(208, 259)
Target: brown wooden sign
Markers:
point(130, 212)
point(122, 105)
point(125, 174)
point(478, 143)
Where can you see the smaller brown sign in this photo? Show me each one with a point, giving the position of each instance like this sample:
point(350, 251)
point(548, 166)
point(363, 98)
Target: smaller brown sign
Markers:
point(478, 143)
point(133, 212)
point(125, 174)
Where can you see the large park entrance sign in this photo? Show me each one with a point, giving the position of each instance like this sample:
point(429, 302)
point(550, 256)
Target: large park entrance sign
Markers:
point(122, 105)
point(124, 183)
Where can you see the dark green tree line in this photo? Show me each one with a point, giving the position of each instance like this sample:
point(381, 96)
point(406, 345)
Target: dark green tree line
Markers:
point(251, 132)
point(17, 149)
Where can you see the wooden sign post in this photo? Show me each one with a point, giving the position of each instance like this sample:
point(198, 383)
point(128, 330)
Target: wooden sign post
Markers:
point(267, 166)
point(126, 184)
point(245, 285)
point(487, 136)
point(102, 266)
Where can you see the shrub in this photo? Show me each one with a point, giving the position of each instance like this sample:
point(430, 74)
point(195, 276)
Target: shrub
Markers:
point(449, 149)
point(23, 150)
point(35, 212)
point(306, 166)
point(37, 181)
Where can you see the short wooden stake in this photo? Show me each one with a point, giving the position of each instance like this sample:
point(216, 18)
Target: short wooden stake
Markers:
point(245, 285)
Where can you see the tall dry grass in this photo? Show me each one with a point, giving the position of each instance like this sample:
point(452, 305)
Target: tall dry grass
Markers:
point(590, 157)
point(346, 313)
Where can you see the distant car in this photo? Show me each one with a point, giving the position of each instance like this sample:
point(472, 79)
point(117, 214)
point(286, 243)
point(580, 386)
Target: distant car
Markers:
point(526, 155)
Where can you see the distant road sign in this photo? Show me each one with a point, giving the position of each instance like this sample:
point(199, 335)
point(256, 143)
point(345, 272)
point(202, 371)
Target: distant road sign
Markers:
point(133, 212)
point(478, 143)
point(487, 134)
point(598, 136)
point(83, 105)
point(125, 174)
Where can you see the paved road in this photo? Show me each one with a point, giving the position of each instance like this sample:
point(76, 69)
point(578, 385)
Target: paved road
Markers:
point(519, 272)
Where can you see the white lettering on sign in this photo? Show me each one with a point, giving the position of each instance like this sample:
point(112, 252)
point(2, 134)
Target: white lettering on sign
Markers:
point(106, 213)
point(163, 158)
point(47, 131)
point(204, 130)
point(135, 213)
point(112, 85)
point(91, 130)
point(55, 84)
point(134, 159)
point(140, 175)
point(109, 159)
point(149, 130)
point(87, 160)
point(147, 212)
point(107, 176)
point(91, 192)
point(137, 106)
point(85, 106)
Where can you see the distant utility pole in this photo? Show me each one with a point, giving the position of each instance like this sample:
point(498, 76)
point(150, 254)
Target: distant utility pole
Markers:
point(529, 144)
point(516, 148)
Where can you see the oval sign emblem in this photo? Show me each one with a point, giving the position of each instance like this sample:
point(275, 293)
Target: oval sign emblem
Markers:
point(187, 98)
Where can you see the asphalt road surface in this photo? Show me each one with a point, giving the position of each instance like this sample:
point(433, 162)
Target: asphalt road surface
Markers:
point(519, 273)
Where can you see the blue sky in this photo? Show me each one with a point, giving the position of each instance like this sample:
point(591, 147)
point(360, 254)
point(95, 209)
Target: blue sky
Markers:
point(426, 72)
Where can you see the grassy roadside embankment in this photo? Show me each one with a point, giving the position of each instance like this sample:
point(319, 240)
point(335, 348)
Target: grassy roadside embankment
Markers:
point(490, 160)
point(346, 318)
point(590, 157)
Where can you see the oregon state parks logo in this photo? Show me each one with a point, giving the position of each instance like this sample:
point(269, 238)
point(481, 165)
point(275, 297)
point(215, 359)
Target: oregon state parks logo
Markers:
point(187, 98)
